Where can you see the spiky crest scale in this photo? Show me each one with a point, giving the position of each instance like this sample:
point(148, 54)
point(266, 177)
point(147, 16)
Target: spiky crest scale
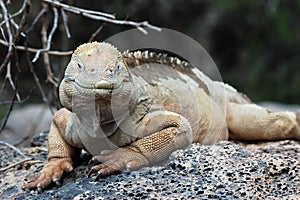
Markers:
point(100, 46)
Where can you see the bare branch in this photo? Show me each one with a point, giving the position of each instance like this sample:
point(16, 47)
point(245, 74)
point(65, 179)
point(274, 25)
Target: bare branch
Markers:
point(14, 148)
point(139, 25)
point(26, 158)
point(17, 26)
point(20, 11)
point(10, 37)
point(37, 18)
point(15, 164)
point(49, 40)
point(18, 102)
point(13, 40)
point(96, 16)
point(3, 34)
point(22, 22)
point(76, 10)
point(15, 85)
point(8, 77)
point(94, 35)
point(10, 108)
point(33, 50)
point(45, 41)
point(65, 22)
point(37, 81)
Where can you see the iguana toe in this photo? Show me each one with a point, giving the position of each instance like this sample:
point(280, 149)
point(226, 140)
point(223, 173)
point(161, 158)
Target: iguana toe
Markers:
point(52, 172)
point(115, 161)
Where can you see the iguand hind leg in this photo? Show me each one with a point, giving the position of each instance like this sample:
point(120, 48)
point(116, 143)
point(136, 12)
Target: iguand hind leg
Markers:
point(252, 122)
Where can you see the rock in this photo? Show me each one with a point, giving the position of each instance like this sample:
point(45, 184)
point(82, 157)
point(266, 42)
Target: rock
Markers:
point(223, 171)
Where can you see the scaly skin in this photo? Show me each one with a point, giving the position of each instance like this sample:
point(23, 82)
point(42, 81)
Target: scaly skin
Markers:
point(134, 109)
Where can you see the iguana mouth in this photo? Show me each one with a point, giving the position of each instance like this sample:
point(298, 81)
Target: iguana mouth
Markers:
point(99, 87)
point(107, 85)
point(104, 85)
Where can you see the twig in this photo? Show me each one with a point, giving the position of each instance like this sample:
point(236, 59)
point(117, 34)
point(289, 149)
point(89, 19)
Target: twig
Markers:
point(77, 10)
point(41, 149)
point(45, 42)
point(8, 77)
point(18, 102)
point(139, 25)
point(49, 40)
point(15, 164)
point(17, 27)
point(46, 55)
point(33, 50)
point(96, 16)
point(13, 40)
point(37, 18)
point(23, 22)
point(31, 162)
point(26, 158)
point(14, 148)
point(15, 91)
point(9, 111)
point(10, 37)
point(65, 22)
point(3, 34)
point(16, 13)
point(37, 81)
point(24, 6)
point(94, 35)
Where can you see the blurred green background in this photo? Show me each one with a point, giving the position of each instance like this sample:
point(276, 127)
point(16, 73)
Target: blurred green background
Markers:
point(255, 43)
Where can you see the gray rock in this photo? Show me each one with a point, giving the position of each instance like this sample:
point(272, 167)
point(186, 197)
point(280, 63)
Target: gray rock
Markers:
point(222, 171)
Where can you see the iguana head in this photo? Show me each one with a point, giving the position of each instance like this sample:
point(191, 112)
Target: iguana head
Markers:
point(98, 70)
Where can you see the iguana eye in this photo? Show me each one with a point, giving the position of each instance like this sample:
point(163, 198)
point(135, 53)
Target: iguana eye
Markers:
point(80, 66)
point(68, 79)
point(118, 66)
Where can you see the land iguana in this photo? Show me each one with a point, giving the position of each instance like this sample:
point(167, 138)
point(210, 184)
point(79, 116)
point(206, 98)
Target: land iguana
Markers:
point(134, 109)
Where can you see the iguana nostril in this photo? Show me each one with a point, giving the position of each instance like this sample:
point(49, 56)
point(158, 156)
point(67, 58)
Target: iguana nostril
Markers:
point(110, 71)
point(92, 71)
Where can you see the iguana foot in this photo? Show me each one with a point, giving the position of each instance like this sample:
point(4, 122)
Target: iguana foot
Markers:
point(118, 160)
point(52, 172)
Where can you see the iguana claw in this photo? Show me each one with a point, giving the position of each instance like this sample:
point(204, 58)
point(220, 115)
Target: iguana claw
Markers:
point(90, 173)
point(57, 183)
point(40, 190)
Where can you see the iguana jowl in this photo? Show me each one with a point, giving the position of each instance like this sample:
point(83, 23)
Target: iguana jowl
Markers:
point(148, 105)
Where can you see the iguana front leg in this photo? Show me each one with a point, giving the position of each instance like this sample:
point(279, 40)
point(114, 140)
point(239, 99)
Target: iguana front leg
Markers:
point(164, 132)
point(60, 154)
